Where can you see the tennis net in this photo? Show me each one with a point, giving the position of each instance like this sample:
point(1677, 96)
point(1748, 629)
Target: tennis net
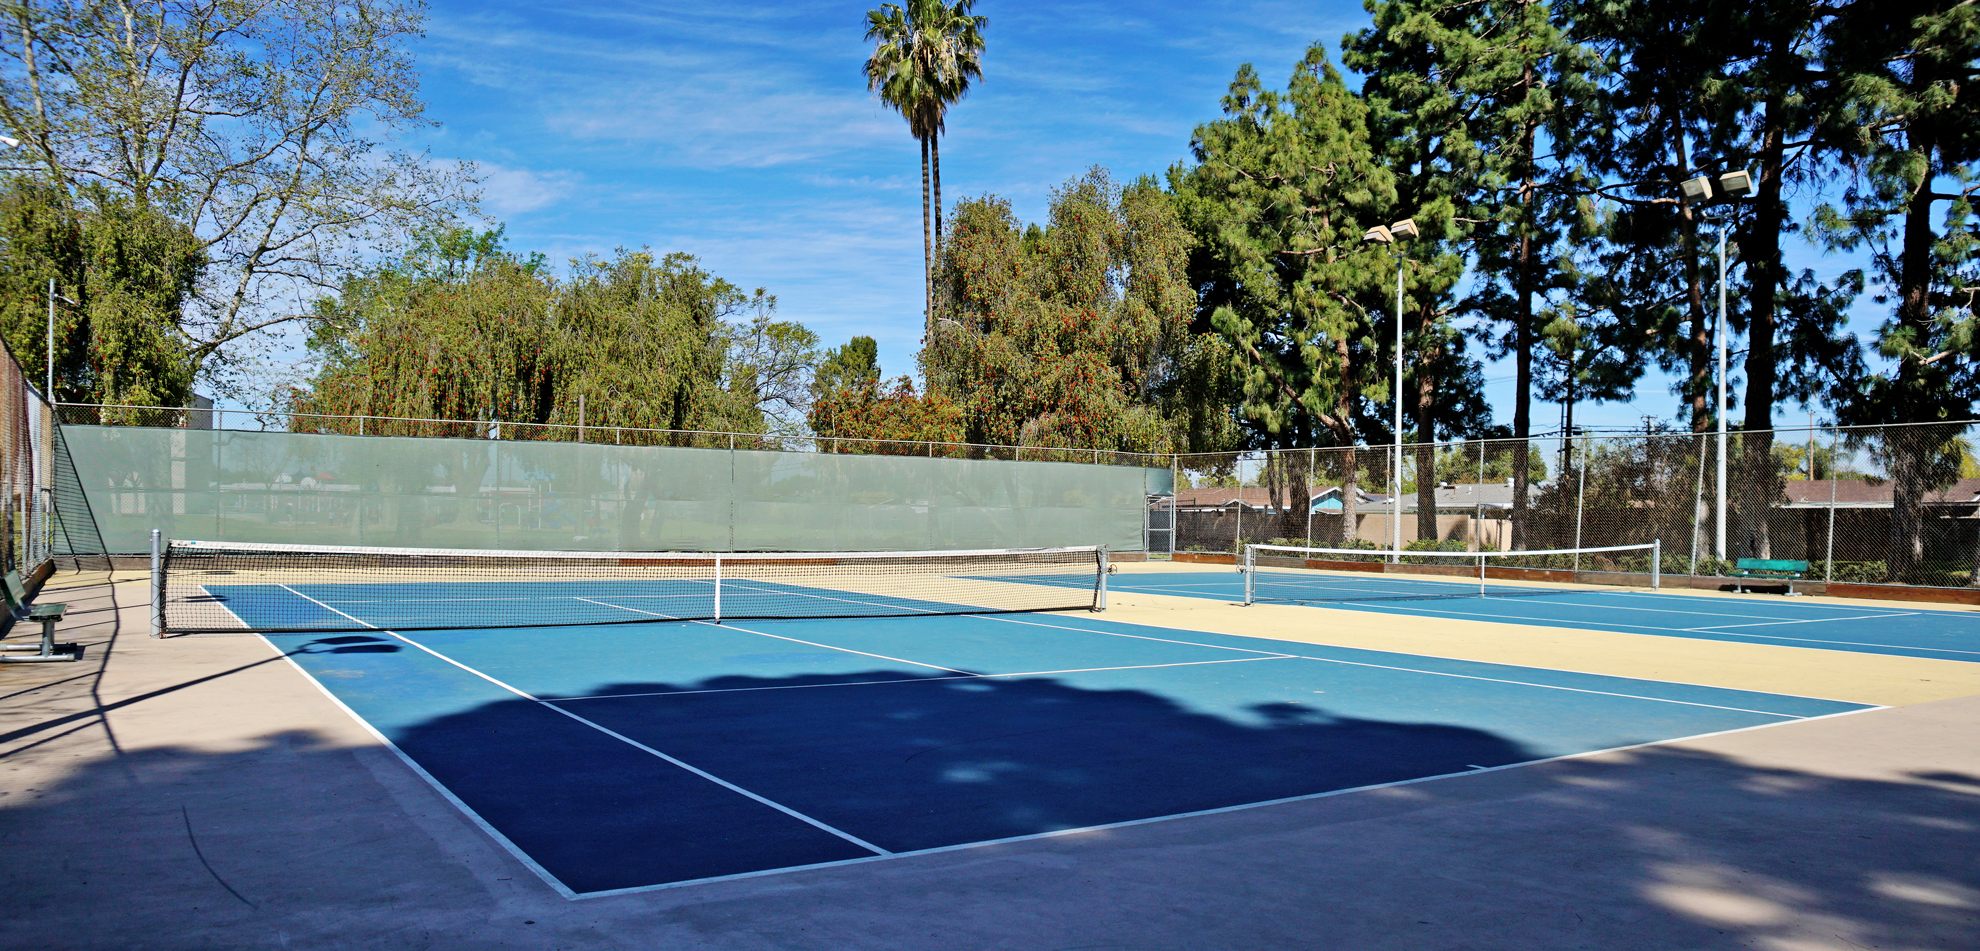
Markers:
point(205, 586)
point(1287, 573)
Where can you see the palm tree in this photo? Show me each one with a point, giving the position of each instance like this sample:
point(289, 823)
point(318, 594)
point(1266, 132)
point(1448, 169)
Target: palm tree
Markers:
point(925, 55)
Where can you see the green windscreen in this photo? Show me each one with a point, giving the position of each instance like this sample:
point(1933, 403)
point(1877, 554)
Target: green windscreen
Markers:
point(476, 493)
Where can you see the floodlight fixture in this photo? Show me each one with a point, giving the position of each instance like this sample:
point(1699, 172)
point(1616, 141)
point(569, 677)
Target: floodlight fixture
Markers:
point(1696, 189)
point(1379, 235)
point(1736, 184)
point(1404, 230)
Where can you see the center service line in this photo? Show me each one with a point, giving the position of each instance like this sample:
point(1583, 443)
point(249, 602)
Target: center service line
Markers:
point(704, 774)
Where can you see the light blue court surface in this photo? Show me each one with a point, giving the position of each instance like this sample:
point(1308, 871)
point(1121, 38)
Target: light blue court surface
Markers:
point(1899, 629)
point(630, 756)
point(476, 604)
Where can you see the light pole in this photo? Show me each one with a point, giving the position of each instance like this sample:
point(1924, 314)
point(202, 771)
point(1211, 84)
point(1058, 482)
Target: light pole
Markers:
point(1400, 231)
point(49, 395)
point(1724, 332)
point(1732, 185)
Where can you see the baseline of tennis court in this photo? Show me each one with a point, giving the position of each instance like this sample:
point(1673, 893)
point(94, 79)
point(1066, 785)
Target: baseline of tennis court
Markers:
point(1899, 629)
point(621, 757)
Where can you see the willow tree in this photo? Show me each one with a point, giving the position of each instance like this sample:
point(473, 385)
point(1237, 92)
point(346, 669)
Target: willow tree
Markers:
point(1076, 332)
point(466, 331)
point(926, 54)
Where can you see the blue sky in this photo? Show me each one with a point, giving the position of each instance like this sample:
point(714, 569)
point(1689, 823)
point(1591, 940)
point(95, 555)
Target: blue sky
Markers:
point(745, 135)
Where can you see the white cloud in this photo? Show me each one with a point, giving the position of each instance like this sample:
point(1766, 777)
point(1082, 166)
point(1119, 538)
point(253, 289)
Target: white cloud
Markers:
point(509, 191)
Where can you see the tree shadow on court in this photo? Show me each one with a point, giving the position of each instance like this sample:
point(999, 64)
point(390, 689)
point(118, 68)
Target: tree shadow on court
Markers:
point(903, 763)
point(290, 841)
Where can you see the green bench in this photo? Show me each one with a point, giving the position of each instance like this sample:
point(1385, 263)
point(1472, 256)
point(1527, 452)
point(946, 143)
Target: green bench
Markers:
point(1784, 569)
point(19, 610)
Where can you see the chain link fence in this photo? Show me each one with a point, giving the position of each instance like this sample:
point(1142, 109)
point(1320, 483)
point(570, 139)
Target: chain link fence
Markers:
point(1870, 505)
point(44, 516)
point(166, 417)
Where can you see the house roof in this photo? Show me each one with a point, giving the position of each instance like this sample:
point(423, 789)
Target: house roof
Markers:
point(1490, 495)
point(1258, 498)
point(1861, 494)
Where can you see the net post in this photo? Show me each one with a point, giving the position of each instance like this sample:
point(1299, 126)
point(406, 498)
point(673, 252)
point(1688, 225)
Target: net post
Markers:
point(1657, 564)
point(1100, 582)
point(718, 589)
point(1248, 567)
point(157, 583)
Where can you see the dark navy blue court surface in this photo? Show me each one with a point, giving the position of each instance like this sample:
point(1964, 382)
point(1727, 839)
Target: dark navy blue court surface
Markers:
point(628, 756)
point(1759, 619)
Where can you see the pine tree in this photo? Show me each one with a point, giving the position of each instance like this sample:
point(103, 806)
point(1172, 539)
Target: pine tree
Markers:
point(1283, 189)
point(1464, 99)
point(1906, 99)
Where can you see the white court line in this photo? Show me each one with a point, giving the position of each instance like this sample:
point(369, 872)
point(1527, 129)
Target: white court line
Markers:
point(1737, 614)
point(1439, 673)
point(1799, 605)
point(1220, 810)
point(825, 597)
point(1812, 620)
point(1440, 657)
point(920, 680)
point(1811, 640)
point(704, 774)
point(1433, 673)
point(1679, 631)
point(781, 637)
point(1570, 624)
point(513, 849)
point(1526, 683)
point(887, 856)
point(1138, 637)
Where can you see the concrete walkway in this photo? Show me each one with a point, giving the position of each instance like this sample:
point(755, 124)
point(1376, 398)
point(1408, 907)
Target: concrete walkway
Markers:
point(199, 793)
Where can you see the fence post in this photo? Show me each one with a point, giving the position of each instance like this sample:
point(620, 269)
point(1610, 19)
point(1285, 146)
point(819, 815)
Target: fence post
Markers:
point(1478, 514)
point(1829, 546)
point(1237, 538)
point(1697, 502)
point(1580, 497)
point(1310, 462)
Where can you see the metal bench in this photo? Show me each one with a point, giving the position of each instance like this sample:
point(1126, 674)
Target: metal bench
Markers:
point(1783, 569)
point(47, 651)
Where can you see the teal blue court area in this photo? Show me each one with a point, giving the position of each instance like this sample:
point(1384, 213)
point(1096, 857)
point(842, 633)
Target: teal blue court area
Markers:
point(1900, 629)
point(624, 757)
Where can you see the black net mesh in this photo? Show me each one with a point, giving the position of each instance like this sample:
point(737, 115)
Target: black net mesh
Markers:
point(209, 586)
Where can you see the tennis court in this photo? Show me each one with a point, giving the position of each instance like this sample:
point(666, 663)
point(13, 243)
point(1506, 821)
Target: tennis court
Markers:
point(1898, 629)
point(618, 757)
